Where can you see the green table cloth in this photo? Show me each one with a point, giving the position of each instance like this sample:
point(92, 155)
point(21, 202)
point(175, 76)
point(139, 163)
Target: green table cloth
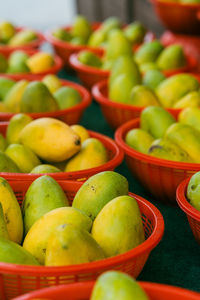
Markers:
point(176, 260)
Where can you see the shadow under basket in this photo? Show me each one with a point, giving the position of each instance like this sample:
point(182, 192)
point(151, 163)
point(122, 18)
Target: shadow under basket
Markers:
point(20, 279)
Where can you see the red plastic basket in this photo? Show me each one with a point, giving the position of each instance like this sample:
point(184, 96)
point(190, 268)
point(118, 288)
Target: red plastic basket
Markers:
point(30, 76)
point(177, 17)
point(20, 279)
point(160, 177)
point(70, 115)
point(6, 50)
point(82, 291)
point(192, 213)
point(115, 155)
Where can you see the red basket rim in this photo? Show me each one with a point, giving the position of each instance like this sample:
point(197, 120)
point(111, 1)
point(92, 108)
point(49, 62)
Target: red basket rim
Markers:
point(110, 165)
point(176, 4)
point(146, 246)
point(119, 138)
point(85, 102)
point(183, 202)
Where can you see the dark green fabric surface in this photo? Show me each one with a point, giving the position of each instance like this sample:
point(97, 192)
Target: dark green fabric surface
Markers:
point(176, 260)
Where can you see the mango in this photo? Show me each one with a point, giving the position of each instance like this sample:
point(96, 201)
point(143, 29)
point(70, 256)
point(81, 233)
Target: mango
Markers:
point(59, 141)
point(172, 57)
point(115, 285)
point(52, 82)
point(14, 97)
point(3, 143)
point(7, 31)
point(5, 85)
point(77, 40)
point(98, 190)
point(147, 67)
point(174, 88)
point(16, 124)
point(148, 52)
point(97, 38)
point(81, 28)
point(44, 168)
point(22, 37)
point(192, 99)
point(193, 191)
point(89, 58)
point(190, 116)
point(7, 164)
point(17, 62)
point(40, 62)
point(155, 120)
point(92, 154)
point(107, 65)
point(67, 97)
point(62, 34)
point(153, 78)
point(37, 238)
point(119, 220)
point(81, 132)
point(109, 24)
point(37, 98)
point(3, 226)
point(135, 32)
point(3, 108)
point(120, 89)
point(3, 64)
point(143, 96)
point(64, 244)
point(187, 138)
point(42, 196)
point(139, 140)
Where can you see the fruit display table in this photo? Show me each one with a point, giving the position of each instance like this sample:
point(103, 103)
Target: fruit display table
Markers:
point(175, 260)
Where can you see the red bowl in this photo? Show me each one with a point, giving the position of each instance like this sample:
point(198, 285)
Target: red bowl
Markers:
point(192, 213)
point(30, 76)
point(177, 17)
point(159, 176)
point(115, 155)
point(82, 291)
point(20, 279)
point(7, 50)
point(70, 115)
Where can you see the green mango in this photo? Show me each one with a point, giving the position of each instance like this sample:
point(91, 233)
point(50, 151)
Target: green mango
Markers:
point(67, 97)
point(115, 285)
point(43, 169)
point(97, 38)
point(174, 88)
point(7, 164)
point(87, 57)
point(98, 190)
point(117, 45)
point(17, 62)
point(3, 227)
point(13, 253)
point(172, 57)
point(119, 220)
point(37, 98)
point(77, 40)
point(3, 64)
point(190, 116)
point(143, 96)
point(125, 65)
point(22, 37)
point(139, 140)
point(5, 86)
point(192, 99)
point(42, 196)
point(107, 65)
point(62, 34)
point(15, 126)
point(24, 157)
point(7, 31)
point(135, 32)
point(120, 88)
point(148, 52)
point(147, 67)
point(165, 149)
point(193, 191)
point(81, 28)
point(153, 78)
point(155, 120)
point(3, 143)
point(109, 24)
point(13, 98)
point(187, 138)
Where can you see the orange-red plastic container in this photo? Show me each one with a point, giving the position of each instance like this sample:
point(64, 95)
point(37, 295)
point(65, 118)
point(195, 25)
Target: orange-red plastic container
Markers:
point(159, 176)
point(20, 279)
point(192, 213)
point(70, 115)
point(30, 76)
point(177, 17)
point(82, 291)
point(115, 155)
point(6, 50)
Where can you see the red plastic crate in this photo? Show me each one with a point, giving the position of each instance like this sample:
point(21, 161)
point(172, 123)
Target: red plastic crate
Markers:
point(70, 115)
point(159, 176)
point(82, 291)
point(192, 213)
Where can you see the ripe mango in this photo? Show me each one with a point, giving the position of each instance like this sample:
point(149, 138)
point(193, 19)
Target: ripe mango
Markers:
point(50, 139)
point(52, 82)
point(67, 97)
point(190, 116)
point(143, 96)
point(45, 169)
point(63, 247)
point(119, 220)
point(40, 62)
point(42, 196)
point(3, 226)
point(14, 97)
point(7, 31)
point(98, 190)
point(81, 131)
point(139, 140)
point(37, 237)
point(192, 99)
